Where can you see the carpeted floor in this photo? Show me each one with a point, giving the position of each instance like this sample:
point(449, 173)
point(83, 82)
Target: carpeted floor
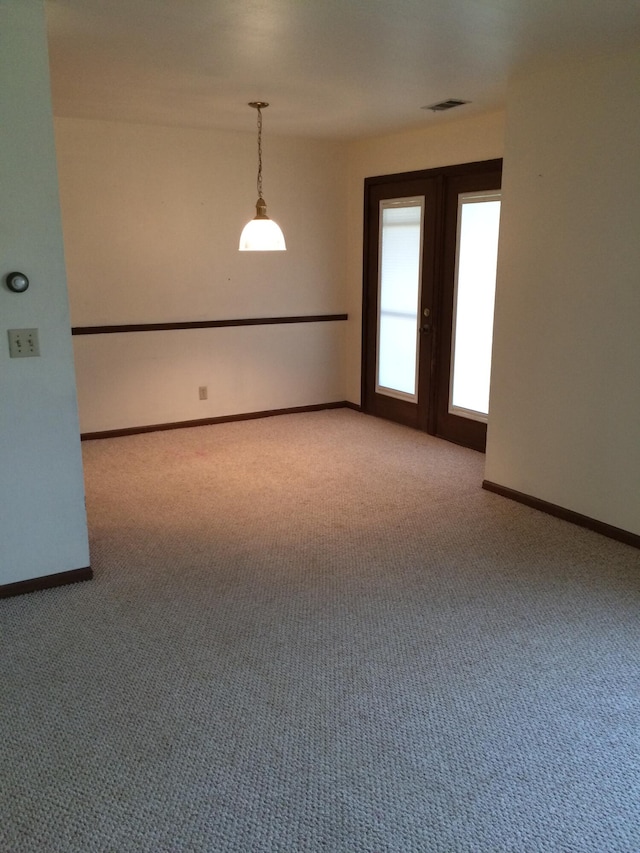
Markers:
point(317, 634)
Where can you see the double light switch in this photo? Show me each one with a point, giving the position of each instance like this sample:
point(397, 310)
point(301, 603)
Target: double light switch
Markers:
point(23, 343)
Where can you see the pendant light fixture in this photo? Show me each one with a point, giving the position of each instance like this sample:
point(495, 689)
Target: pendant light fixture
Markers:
point(261, 234)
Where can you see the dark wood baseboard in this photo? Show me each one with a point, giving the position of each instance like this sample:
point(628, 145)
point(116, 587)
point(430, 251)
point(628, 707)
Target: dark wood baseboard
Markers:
point(224, 419)
point(601, 527)
point(46, 582)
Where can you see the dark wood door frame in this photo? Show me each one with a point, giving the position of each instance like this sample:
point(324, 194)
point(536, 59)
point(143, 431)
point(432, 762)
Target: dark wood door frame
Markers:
point(428, 386)
point(380, 405)
point(460, 430)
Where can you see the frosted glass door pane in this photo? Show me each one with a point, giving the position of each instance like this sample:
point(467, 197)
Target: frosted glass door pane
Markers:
point(398, 296)
point(474, 296)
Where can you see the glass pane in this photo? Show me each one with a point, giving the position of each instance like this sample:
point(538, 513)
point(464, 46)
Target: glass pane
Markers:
point(398, 296)
point(474, 295)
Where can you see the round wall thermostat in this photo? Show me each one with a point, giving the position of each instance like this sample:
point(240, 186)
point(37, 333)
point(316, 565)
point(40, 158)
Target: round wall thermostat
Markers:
point(17, 281)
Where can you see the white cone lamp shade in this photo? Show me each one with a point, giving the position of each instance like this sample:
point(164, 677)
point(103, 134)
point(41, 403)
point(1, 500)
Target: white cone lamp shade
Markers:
point(261, 234)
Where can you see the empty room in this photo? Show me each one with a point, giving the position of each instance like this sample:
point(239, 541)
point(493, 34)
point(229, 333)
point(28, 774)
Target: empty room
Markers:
point(319, 426)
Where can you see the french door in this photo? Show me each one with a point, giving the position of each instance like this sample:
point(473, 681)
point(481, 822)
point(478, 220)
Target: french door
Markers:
point(430, 257)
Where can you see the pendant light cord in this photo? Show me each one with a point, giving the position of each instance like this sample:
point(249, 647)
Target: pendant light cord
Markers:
point(259, 182)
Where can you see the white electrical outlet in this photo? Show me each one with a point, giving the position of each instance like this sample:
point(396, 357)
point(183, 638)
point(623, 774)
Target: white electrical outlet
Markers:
point(203, 392)
point(23, 343)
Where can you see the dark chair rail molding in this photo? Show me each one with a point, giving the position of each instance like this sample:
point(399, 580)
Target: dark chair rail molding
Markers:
point(206, 324)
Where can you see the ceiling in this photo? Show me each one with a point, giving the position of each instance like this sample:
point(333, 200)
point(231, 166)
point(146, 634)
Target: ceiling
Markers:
point(329, 68)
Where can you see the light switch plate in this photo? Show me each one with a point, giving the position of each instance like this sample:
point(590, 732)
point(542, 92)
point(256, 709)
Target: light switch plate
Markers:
point(23, 343)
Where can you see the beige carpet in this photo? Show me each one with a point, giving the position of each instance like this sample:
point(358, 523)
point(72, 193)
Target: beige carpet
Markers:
point(317, 633)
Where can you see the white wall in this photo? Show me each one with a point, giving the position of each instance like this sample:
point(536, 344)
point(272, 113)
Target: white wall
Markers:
point(132, 379)
point(565, 399)
point(443, 143)
point(42, 522)
point(152, 217)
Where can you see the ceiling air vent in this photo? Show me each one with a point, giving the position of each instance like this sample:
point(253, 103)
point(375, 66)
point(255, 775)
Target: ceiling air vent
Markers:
point(445, 105)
